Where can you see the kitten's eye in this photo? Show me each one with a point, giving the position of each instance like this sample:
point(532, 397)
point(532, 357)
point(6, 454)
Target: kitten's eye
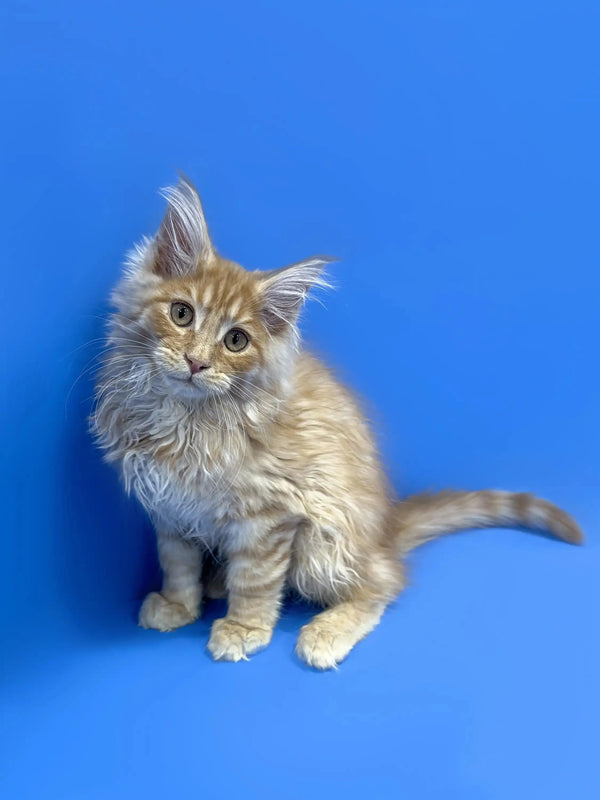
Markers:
point(182, 314)
point(236, 340)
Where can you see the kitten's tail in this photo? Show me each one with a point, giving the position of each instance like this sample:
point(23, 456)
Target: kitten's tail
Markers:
point(420, 518)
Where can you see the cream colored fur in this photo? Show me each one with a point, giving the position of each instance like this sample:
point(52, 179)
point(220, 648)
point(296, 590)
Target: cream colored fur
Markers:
point(262, 459)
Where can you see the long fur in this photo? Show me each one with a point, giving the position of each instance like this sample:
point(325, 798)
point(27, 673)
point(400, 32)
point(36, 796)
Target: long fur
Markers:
point(263, 459)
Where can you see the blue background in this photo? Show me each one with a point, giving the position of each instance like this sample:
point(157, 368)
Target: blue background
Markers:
point(448, 153)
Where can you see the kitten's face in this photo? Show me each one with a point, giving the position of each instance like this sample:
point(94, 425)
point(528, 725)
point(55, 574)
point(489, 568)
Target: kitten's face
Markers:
point(211, 336)
point(200, 324)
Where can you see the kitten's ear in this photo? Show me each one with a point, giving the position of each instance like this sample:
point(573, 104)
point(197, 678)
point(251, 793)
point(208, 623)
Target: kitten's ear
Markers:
point(182, 241)
point(284, 290)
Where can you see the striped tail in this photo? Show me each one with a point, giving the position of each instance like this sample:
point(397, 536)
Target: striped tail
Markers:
point(423, 517)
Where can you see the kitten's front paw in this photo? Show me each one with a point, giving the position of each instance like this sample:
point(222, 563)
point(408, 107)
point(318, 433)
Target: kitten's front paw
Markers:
point(163, 615)
point(320, 647)
point(231, 641)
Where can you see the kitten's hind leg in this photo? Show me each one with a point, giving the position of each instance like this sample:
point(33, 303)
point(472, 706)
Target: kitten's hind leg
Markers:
point(178, 602)
point(328, 638)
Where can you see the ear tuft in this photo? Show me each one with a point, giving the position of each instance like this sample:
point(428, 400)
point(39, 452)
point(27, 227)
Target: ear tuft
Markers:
point(286, 289)
point(182, 241)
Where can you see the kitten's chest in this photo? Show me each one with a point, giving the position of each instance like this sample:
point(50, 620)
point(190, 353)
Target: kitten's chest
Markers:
point(195, 477)
point(182, 468)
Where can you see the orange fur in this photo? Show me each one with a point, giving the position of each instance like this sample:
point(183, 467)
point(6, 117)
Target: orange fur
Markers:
point(261, 457)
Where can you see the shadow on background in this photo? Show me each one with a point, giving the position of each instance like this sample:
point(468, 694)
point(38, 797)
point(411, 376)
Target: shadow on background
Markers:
point(106, 556)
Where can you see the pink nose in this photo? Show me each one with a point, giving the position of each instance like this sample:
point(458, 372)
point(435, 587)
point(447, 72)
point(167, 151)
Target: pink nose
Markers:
point(196, 366)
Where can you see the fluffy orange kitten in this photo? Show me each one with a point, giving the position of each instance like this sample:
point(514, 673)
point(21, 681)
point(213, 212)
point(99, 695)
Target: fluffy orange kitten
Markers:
point(251, 459)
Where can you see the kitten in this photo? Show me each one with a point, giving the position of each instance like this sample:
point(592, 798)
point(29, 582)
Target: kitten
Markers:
point(245, 449)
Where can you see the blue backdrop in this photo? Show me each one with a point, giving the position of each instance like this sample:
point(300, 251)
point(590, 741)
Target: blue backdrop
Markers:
point(448, 153)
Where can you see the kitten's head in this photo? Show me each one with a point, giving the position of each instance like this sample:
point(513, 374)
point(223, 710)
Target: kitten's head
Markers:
point(202, 325)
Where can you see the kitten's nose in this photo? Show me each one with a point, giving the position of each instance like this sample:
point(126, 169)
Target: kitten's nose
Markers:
point(196, 366)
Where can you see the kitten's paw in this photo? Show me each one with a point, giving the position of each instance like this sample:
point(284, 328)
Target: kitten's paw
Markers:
point(321, 647)
point(163, 615)
point(230, 641)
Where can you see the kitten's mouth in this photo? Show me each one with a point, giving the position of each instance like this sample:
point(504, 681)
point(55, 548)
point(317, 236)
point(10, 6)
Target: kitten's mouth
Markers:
point(196, 388)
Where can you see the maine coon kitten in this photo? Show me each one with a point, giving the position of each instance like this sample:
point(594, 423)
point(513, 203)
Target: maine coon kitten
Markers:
point(244, 448)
